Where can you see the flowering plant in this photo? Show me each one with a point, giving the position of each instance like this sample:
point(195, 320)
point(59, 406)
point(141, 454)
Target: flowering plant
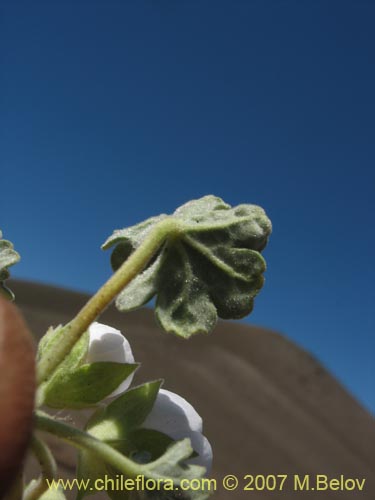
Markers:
point(201, 263)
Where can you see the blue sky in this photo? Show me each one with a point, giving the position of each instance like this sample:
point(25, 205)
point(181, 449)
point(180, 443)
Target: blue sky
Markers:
point(116, 111)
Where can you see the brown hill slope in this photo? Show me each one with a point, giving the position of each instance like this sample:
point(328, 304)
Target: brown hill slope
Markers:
point(268, 406)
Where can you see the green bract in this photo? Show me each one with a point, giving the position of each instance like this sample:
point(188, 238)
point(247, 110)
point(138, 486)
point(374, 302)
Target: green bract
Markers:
point(76, 384)
point(8, 257)
point(210, 265)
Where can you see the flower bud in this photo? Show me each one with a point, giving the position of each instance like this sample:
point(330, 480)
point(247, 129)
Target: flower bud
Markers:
point(108, 344)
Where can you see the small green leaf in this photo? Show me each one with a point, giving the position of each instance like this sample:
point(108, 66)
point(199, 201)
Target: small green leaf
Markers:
point(211, 266)
point(72, 361)
point(8, 257)
point(124, 414)
point(75, 357)
point(86, 385)
point(51, 336)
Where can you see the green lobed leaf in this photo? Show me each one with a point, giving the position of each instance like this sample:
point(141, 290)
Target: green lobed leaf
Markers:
point(183, 304)
point(129, 239)
point(8, 257)
point(211, 267)
point(142, 288)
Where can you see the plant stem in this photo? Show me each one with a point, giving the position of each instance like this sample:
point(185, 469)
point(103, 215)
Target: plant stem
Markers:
point(83, 440)
point(128, 271)
point(48, 470)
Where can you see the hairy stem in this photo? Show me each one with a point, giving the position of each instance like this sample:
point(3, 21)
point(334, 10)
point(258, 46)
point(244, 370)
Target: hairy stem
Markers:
point(48, 470)
point(104, 296)
point(82, 440)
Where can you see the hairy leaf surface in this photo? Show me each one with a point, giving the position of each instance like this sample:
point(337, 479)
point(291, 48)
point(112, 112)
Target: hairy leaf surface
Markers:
point(209, 267)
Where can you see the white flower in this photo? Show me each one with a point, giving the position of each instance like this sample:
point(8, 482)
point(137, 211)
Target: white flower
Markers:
point(174, 416)
point(171, 414)
point(108, 344)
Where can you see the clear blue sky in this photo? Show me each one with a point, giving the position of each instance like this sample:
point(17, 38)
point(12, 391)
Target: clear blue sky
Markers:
point(115, 111)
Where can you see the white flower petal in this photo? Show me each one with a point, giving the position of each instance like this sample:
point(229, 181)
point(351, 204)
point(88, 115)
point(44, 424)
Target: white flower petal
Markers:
point(174, 416)
point(108, 344)
point(201, 445)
